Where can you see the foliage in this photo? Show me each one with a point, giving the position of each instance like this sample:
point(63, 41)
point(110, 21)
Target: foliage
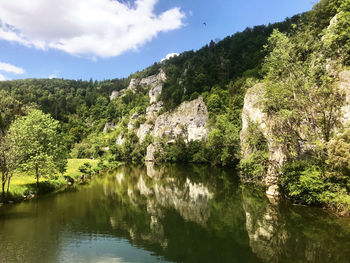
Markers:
point(304, 103)
point(338, 150)
point(216, 64)
point(179, 151)
point(39, 144)
point(86, 168)
point(303, 182)
point(337, 37)
point(254, 166)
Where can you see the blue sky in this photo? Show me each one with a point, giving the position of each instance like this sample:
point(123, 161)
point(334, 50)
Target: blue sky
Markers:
point(102, 39)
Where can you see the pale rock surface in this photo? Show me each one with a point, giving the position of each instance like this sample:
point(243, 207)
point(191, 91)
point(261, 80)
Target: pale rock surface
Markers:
point(152, 111)
point(133, 118)
point(188, 120)
point(145, 128)
point(151, 149)
point(155, 82)
point(120, 140)
point(117, 93)
point(109, 126)
point(253, 113)
point(344, 85)
point(155, 92)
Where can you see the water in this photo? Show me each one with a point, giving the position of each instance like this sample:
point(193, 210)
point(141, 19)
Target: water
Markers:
point(169, 214)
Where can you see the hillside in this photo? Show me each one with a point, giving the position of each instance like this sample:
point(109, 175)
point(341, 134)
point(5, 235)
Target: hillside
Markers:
point(189, 108)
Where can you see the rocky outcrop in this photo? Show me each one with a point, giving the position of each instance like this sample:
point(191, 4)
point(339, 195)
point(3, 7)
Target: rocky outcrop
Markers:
point(152, 111)
point(109, 126)
point(132, 121)
point(253, 113)
point(154, 82)
point(344, 85)
point(188, 120)
point(151, 149)
point(117, 93)
point(120, 140)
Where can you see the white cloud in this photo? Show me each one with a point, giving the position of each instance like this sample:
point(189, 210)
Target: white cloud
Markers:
point(11, 68)
point(5, 67)
point(170, 55)
point(52, 76)
point(93, 28)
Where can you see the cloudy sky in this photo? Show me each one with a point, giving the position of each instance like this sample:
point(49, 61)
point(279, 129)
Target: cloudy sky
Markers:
point(103, 39)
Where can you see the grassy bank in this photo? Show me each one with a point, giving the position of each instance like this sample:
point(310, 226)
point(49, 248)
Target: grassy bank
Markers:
point(24, 185)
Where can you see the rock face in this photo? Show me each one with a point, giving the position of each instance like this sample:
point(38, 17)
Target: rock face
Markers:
point(344, 85)
point(253, 113)
point(188, 120)
point(154, 81)
point(151, 149)
point(109, 126)
point(132, 121)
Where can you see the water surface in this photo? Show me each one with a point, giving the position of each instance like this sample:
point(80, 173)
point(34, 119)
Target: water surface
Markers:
point(170, 213)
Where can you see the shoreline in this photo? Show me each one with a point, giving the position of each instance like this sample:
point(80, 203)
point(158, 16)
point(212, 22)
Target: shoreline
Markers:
point(49, 187)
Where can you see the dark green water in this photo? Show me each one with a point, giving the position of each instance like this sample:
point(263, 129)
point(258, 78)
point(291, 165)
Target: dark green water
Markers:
point(169, 214)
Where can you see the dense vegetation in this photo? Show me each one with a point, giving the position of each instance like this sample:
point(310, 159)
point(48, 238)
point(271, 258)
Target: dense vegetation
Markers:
point(291, 60)
point(303, 100)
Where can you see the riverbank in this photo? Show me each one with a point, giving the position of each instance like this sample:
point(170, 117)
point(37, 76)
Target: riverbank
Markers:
point(24, 187)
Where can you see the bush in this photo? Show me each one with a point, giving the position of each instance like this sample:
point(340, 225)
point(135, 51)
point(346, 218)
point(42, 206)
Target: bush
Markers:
point(338, 150)
point(255, 166)
point(303, 182)
point(86, 168)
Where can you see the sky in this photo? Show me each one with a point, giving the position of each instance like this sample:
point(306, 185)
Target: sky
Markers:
point(106, 39)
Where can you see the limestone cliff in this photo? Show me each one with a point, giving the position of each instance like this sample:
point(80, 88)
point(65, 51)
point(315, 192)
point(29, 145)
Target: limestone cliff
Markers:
point(188, 120)
point(253, 113)
point(154, 82)
point(344, 85)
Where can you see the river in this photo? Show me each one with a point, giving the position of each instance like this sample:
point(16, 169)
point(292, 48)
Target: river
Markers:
point(171, 213)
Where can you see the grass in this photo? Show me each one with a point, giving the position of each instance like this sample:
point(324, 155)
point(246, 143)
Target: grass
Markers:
point(74, 164)
point(23, 184)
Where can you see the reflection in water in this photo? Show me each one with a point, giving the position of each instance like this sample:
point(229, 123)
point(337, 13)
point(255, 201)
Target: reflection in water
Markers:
point(285, 233)
point(170, 213)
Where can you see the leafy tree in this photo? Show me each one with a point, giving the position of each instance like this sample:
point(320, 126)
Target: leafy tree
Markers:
point(9, 109)
point(39, 142)
point(338, 150)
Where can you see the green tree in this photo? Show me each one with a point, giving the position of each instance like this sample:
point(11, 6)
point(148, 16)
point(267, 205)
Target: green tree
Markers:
point(39, 142)
point(9, 109)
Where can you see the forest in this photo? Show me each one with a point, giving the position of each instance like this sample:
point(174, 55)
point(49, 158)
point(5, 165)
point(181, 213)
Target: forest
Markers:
point(44, 122)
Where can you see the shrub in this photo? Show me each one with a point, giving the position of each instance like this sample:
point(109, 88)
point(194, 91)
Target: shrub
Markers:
point(255, 166)
point(303, 182)
point(86, 168)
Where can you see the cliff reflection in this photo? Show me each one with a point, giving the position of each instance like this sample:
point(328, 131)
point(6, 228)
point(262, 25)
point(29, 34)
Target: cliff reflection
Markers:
point(186, 214)
point(281, 232)
point(171, 213)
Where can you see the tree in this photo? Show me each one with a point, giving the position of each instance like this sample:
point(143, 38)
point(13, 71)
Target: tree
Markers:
point(338, 150)
point(9, 109)
point(37, 138)
point(301, 95)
